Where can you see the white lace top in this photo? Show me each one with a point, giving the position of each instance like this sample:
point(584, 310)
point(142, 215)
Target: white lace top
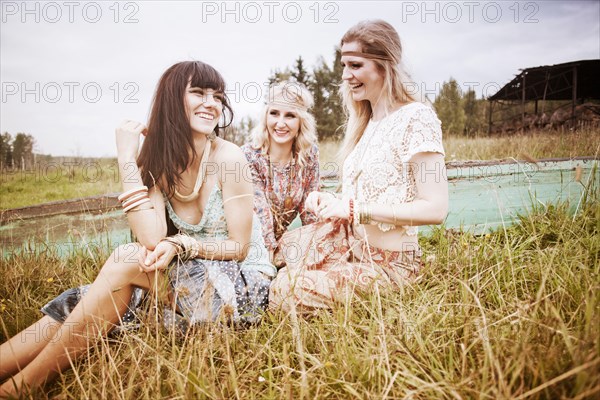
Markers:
point(378, 169)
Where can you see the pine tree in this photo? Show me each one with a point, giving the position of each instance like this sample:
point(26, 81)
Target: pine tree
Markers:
point(323, 83)
point(5, 151)
point(300, 74)
point(449, 108)
point(473, 115)
point(22, 150)
point(279, 76)
point(334, 100)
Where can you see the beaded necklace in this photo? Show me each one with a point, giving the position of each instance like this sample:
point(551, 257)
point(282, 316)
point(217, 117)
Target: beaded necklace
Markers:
point(277, 211)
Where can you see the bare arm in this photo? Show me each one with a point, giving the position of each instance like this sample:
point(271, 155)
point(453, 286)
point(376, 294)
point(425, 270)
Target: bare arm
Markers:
point(430, 205)
point(148, 224)
point(239, 207)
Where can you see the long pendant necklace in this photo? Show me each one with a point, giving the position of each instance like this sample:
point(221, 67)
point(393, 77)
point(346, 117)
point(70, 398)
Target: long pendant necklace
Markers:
point(287, 202)
point(279, 214)
point(199, 178)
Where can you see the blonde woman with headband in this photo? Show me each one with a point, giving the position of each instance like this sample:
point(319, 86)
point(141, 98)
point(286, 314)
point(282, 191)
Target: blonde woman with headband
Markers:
point(284, 159)
point(393, 181)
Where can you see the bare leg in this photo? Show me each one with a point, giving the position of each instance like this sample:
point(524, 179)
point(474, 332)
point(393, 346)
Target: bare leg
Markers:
point(22, 348)
point(103, 305)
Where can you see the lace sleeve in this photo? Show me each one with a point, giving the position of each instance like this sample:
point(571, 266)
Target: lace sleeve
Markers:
point(423, 134)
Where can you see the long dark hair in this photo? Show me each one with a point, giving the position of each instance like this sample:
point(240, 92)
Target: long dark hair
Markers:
point(166, 152)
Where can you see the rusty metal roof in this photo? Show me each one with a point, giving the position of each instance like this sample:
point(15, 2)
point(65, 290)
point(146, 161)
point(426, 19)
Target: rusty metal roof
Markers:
point(554, 82)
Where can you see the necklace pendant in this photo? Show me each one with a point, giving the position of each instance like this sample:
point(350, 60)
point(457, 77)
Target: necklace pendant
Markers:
point(287, 203)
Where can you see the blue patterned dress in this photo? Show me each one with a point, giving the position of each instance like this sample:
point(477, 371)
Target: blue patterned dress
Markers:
point(204, 290)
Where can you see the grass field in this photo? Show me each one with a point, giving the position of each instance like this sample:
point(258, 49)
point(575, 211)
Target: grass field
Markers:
point(509, 315)
point(58, 179)
point(513, 314)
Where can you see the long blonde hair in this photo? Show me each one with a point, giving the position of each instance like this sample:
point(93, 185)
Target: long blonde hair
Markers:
point(297, 96)
point(381, 40)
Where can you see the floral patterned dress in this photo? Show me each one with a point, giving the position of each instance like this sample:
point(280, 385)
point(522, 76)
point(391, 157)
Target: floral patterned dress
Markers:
point(271, 189)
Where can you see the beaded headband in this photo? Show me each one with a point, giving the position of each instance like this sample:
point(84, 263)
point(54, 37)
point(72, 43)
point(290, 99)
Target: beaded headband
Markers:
point(287, 104)
point(366, 55)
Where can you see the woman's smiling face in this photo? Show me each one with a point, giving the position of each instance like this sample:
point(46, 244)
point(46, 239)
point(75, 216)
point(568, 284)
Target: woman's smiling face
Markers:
point(362, 75)
point(283, 124)
point(204, 108)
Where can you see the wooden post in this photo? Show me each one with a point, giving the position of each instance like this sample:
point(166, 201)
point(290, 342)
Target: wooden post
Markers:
point(545, 91)
point(523, 104)
point(574, 99)
point(490, 104)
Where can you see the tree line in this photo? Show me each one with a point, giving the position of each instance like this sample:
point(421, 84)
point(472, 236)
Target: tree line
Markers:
point(323, 82)
point(17, 152)
point(461, 112)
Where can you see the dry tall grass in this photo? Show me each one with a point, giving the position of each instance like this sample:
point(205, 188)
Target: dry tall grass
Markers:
point(534, 144)
point(510, 315)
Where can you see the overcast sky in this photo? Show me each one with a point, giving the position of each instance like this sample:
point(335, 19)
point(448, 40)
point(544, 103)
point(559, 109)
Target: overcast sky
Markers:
point(72, 70)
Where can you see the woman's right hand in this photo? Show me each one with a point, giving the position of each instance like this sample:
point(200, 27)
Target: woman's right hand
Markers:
point(128, 139)
point(159, 258)
point(314, 199)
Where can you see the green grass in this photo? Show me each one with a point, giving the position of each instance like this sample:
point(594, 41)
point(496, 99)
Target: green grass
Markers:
point(58, 180)
point(513, 314)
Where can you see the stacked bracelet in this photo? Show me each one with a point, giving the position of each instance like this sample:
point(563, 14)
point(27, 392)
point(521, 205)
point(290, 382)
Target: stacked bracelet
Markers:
point(351, 211)
point(364, 214)
point(394, 214)
point(187, 247)
point(133, 198)
point(132, 192)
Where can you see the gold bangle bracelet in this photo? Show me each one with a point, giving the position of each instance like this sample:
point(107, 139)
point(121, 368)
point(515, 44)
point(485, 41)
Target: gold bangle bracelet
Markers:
point(360, 213)
point(365, 214)
point(368, 214)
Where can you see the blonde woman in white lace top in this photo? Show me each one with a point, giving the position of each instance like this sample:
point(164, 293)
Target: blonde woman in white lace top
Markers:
point(394, 179)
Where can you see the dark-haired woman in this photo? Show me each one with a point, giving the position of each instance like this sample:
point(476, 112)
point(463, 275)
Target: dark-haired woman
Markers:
point(215, 266)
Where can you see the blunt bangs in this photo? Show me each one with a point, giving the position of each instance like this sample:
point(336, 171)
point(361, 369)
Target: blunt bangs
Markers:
point(202, 75)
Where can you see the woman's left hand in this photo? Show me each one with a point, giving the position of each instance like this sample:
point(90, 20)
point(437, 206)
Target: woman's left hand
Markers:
point(159, 258)
point(334, 208)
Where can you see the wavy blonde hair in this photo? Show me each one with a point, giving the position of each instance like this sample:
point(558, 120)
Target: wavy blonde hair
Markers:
point(296, 95)
point(380, 39)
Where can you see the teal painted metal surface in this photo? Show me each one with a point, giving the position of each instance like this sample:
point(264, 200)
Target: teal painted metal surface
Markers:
point(65, 234)
point(483, 197)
